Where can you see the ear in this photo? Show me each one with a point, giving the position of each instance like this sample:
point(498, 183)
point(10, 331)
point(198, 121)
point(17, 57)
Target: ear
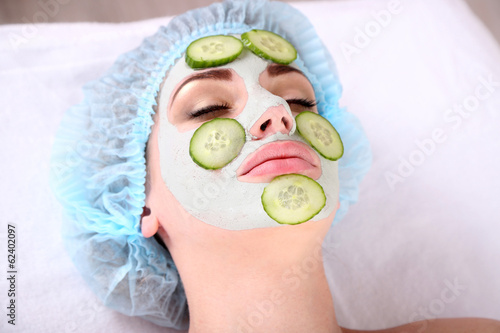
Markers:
point(149, 223)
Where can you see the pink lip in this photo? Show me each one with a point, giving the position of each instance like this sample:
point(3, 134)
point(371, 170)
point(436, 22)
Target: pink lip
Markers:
point(279, 158)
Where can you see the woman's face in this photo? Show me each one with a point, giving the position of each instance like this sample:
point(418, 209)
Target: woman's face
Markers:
point(264, 98)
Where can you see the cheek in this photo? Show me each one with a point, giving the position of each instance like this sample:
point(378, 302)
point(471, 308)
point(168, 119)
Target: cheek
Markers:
point(174, 148)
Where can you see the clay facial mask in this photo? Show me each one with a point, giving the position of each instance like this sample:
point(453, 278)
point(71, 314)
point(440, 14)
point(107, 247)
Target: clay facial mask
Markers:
point(219, 197)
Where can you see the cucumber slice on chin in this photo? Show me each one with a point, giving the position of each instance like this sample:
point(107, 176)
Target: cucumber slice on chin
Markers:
point(269, 45)
point(320, 134)
point(216, 143)
point(213, 51)
point(293, 199)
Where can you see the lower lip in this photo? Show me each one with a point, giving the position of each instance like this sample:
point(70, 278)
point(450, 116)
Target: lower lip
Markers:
point(266, 171)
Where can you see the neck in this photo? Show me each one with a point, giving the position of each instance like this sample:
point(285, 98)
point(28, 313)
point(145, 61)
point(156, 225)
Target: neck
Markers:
point(282, 298)
point(261, 280)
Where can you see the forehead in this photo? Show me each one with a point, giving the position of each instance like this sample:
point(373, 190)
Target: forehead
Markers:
point(248, 66)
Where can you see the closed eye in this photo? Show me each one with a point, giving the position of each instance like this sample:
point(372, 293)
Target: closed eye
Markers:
point(302, 101)
point(300, 104)
point(209, 109)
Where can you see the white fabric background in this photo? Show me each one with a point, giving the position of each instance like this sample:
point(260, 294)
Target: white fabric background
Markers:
point(394, 256)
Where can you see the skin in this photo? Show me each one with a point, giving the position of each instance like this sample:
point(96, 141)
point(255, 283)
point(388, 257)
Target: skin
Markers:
point(272, 278)
point(451, 325)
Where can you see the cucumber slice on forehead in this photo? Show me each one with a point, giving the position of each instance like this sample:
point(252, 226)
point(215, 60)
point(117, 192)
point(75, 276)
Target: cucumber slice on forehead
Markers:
point(293, 199)
point(217, 142)
point(320, 134)
point(213, 51)
point(269, 45)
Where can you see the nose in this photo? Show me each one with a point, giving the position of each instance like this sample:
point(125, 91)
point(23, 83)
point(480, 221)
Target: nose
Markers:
point(275, 119)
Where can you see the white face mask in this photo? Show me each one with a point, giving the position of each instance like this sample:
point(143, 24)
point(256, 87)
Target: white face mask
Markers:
point(217, 197)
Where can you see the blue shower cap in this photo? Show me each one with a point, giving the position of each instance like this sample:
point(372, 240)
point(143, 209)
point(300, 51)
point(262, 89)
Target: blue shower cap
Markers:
point(98, 167)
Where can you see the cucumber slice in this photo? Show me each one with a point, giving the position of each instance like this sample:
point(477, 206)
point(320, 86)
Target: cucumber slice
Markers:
point(293, 199)
point(216, 143)
point(213, 51)
point(320, 134)
point(269, 45)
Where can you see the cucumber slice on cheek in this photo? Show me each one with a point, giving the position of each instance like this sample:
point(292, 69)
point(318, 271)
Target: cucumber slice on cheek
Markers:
point(216, 143)
point(213, 51)
point(293, 199)
point(320, 134)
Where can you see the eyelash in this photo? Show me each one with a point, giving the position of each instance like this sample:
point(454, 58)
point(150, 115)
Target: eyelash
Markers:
point(302, 102)
point(307, 103)
point(209, 109)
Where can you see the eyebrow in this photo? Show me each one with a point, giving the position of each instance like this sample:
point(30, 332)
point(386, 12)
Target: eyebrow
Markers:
point(276, 70)
point(221, 74)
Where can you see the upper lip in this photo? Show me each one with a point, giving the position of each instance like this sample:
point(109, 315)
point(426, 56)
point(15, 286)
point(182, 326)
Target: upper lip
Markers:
point(275, 150)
